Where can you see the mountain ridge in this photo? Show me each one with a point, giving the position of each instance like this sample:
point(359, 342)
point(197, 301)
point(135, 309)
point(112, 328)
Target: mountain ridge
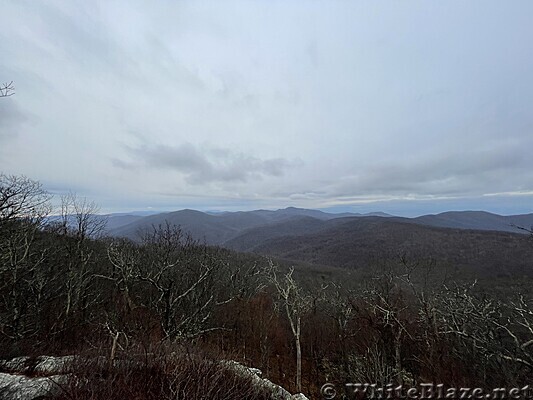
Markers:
point(226, 226)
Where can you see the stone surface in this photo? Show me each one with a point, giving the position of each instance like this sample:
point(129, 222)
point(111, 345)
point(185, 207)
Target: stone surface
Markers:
point(53, 365)
point(19, 387)
point(18, 365)
point(42, 365)
point(255, 373)
point(32, 378)
point(299, 396)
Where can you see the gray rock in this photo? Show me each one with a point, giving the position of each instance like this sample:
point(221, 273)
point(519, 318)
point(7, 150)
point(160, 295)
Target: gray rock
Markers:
point(255, 373)
point(19, 365)
point(53, 372)
point(18, 387)
point(42, 365)
point(299, 396)
point(276, 390)
point(53, 365)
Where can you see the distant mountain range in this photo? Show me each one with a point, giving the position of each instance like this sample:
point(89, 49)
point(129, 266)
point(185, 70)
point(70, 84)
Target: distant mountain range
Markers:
point(237, 228)
point(480, 220)
point(218, 228)
point(475, 240)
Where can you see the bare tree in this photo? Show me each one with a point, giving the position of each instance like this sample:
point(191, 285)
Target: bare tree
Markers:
point(24, 205)
point(516, 323)
point(425, 282)
point(178, 279)
point(497, 334)
point(125, 257)
point(80, 218)
point(174, 275)
point(180, 297)
point(340, 306)
point(293, 300)
point(22, 198)
point(79, 223)
point(7, 89)
point(389, 310)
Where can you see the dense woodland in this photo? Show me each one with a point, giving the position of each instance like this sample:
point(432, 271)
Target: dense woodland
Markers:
point(65, 288)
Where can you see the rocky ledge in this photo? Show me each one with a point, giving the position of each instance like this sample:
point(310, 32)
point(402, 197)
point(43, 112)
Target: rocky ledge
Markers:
point(255, 373)
point(37, 378)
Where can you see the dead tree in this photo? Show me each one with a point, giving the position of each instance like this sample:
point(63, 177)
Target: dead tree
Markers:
point(295, 303)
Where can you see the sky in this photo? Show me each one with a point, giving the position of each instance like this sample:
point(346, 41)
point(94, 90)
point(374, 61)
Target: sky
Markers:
point(408, 107)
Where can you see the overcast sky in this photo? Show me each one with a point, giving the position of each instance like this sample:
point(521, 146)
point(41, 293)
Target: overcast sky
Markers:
point(408, 107)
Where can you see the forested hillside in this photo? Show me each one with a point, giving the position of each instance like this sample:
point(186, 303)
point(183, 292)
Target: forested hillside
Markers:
point(67, 289)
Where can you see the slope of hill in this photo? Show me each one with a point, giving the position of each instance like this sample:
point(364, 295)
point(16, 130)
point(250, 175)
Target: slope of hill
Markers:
point(115, 221)
point(477, 220)
point(253, 237)
point(493, 248)
point(245, 230)
point(214, 229)
point(358, 242)
point(221, 227)
point(289, 212)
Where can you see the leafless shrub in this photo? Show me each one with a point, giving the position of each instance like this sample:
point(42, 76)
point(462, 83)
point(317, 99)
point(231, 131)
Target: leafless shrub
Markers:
point(372, 367)
point(159, 376)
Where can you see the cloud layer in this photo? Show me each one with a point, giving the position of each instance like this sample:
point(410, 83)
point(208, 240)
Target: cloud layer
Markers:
point(210, 165)
point(234, 104)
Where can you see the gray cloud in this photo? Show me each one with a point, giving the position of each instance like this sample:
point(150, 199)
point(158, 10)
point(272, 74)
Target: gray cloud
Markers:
point(422, 100)
point(11, 119)
point(206, 165)
point(461, 175)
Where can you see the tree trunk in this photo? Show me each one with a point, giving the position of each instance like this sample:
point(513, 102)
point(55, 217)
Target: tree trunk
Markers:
point(398, 356)
point(298, 359)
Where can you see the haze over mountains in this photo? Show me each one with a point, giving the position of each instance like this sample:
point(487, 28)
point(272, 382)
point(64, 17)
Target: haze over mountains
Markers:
point(474, 240)
point(217, 228)
point(236, 228)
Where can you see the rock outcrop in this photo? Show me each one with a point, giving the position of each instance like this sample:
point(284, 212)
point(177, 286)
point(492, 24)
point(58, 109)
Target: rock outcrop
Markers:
point(256, 374)
point(42, 365)
point(43, 377)
point(32, 378)
point(20, 387)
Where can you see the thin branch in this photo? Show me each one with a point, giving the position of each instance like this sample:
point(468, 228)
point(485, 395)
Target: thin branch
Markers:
point(7, 89)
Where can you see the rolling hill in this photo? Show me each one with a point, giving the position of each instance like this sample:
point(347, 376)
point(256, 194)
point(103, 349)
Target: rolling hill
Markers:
point(214, 229)
point(480, 220)
point(358, 242)
point(218, 228)
point(245, 230)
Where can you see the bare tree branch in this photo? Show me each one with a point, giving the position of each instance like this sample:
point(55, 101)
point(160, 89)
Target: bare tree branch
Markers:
point(7, 89)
